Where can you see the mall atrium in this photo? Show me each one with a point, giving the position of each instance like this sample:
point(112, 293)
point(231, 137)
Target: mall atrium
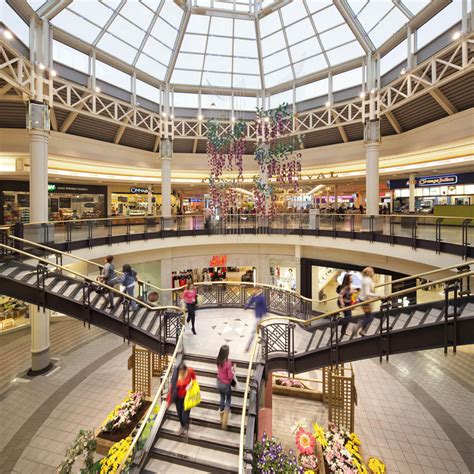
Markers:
point(236, 236)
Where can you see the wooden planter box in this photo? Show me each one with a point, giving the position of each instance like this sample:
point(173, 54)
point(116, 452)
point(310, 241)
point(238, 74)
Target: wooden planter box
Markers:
point(305, 393)
point(106, 440)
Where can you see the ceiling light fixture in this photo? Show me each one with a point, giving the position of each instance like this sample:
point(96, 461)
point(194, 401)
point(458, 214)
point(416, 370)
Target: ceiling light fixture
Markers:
point(171, 117)
point(328, 104)
point(42, 66)
point(233, 119)
point(8, 34)
point(164, 114)
point(97, 89)
point(457, 35)
point(200, 117)
point(267, 119)
point(403, 71)
point(362, 95)
point(372, 91)
point(53, 73)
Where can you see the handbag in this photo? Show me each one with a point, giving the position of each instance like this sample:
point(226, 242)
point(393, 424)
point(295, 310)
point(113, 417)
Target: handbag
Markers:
point(193, 396)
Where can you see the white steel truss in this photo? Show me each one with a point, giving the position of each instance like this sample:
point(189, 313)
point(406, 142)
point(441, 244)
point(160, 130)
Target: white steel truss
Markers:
point(448, 64)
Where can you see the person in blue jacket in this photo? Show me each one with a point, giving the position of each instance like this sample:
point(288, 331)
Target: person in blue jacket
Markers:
point(258, 300)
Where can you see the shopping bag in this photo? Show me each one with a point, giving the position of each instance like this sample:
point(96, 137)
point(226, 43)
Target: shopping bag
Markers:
point(193, 396)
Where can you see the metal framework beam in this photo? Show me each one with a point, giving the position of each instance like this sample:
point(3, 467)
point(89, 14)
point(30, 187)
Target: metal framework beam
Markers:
point(51, 8)
point(443, 101)
point(354, 24)
point(394, 122)
point(3, 90)
point(52, 117)
point(177, 44)
point(68, 122)
point(120, 131)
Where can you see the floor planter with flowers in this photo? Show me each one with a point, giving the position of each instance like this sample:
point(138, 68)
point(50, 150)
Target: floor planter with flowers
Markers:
point(294, 388)
point(121, 421)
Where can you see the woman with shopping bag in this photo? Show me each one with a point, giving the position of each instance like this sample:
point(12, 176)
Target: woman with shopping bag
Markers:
point(226, 379)
point(184, 393)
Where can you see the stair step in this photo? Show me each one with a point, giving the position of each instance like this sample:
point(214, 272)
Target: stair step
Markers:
point(243, 364)
point(209, 385)
point(210, 369)
point(161, 466)
point(185, 454)
point(416, 319)
point(208, 417)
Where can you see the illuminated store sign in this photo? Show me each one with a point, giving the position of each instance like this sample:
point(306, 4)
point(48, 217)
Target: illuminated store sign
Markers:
point(437, 180)
point(139, 190)
point(218, 261)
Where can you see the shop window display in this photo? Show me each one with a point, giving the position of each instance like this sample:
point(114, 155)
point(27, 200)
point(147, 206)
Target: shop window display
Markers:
point(13, 313)
point(283, 277)
point(209, 274)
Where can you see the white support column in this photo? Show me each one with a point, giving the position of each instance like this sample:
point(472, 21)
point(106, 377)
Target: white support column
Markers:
point(166, 151)
point(335, 196)
point(298, 268)
point(39, 140)
point(372, 177)
point(411, 199)
point(150, 201)
point(40, 360)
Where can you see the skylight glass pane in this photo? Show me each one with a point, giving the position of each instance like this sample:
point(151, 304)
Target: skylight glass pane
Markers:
point(277, 99)
point(441, 22)
point(93, 11)
point(157, 50)
point(276, 61)
point(292, 12)
point(18, 27)
point(219, 45)
point(394, 57)
point(299, 31)
point(137, 13)
point(154, 68)
point(327, 18)
point(70, 57)
point(244, 29)
point(310, 65)
point(219, 102)
point(246, 48)
point(182, 99)
point(190, 61)
point(316, 5)
point(218, 63)
point(245, 103)
point(148, 92)
point(198, 24)
point(278, 77)
point(242, 81)
point(171, 13)
point(76, 26)
point(214, 79)
point(336, 37)
point(387, 27)
point(126, 31)
point(273, 43)
point(112, 76)
point(110, 44)
point(305, 49)
point(186, 77)
point(345, 53)
point(164, 32)
point(269, 24)
point(221, 26)
point(35, 4)
point(310, 91)
point(415, 5)
point(373, 12)
point(248, 66)
point(194, 43)
point(347, 79)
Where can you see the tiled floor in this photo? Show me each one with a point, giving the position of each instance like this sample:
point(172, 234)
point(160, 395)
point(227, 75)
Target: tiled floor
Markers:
point(415, 412)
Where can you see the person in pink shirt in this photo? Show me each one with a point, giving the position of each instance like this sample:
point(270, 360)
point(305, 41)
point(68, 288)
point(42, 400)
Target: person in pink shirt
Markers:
point(189, 297)
point(225, 376)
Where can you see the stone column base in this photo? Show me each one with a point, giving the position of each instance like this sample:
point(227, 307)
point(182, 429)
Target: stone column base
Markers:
point(40, 362)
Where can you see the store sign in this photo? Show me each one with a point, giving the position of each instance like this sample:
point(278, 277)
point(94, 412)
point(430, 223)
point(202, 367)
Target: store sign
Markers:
point(139, 190)
point(72, 188)
point(218, 261)
point(437, 180)
point(51, 188)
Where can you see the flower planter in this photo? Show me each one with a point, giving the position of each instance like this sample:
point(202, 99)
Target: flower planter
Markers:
point(305, 393)
point(105, 440)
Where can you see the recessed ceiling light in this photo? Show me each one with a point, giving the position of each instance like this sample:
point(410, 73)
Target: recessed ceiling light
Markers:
point(171, 117)
point(199, 117)
point(328, 104)
point(164, 114)
point(403, 71)
point(8, 34)
point(362, 95)
point(233, 119)
point(457, 35)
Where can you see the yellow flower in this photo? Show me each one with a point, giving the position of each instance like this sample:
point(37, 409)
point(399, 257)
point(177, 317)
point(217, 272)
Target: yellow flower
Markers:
point(376, 465)
point(320, 435)
point(355, 439)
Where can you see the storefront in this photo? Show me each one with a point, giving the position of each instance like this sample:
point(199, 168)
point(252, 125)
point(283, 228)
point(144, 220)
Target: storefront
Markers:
point(192, 205)
point(136, 201)
point(65, 201)
point(430, 191)
point(283, 274)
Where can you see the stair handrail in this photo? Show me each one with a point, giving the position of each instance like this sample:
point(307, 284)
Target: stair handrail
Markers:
point(157, 399)
point(89, 279)
point(396, 294)
point(252, 360)
point(249, 284)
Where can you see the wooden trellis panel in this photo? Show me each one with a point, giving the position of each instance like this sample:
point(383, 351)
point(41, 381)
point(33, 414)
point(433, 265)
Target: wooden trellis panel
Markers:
point(337, 370)
point(341, 400)
point(159, 364)
point(141, 371)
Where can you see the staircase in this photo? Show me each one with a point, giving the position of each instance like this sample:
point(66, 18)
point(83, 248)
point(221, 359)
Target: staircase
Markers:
point(207, 448)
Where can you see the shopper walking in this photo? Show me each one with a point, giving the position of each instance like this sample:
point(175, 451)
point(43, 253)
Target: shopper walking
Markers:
point(190, 299)
point(366, 294)
point(225, 376)
point(108, 276)
point(344, 300)
point(127, 281)
point(258, 300)
point(180, 381)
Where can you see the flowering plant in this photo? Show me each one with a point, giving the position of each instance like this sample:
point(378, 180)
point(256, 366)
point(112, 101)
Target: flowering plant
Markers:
point(287, 382)
point(122, 415)
point(304, 441)
point(376, 466)
point(115, 456)
point(308, 462)
point(84, 445)
point(270, 458)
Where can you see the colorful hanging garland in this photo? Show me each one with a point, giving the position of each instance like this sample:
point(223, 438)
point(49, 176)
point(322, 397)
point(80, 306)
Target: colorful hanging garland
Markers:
point(224, 150)
point(277, 157)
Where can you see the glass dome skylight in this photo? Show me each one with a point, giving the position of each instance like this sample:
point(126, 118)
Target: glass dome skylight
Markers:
point(236, 44)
